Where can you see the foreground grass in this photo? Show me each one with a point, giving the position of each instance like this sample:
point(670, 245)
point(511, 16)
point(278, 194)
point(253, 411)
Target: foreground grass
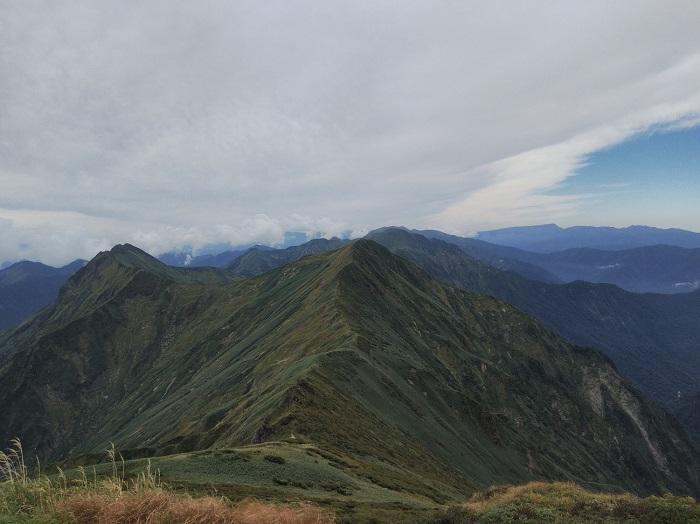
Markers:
point(116, 493)
point(114, 499)
point(559, 502)
point(161, 506)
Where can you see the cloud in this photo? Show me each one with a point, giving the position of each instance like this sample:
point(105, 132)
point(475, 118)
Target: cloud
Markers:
point(59, 237)
point(518, 184)
point(177, 123)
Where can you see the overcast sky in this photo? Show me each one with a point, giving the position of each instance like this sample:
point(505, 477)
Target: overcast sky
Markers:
point(171, 123)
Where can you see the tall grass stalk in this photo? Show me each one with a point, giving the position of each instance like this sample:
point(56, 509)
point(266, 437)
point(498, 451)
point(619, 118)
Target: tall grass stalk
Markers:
point(85, 499)
point(12, 466)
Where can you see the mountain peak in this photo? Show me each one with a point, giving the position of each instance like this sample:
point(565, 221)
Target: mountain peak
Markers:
point(125, 248)
point(365, 247)
point(130, 257)
point(123, 267)
point(365, 251)
point(367, 264)
point(129, 253)
point(257, 261)
point(385, 229)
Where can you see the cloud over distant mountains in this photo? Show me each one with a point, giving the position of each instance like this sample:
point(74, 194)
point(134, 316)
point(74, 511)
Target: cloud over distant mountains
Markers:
point(185, 123)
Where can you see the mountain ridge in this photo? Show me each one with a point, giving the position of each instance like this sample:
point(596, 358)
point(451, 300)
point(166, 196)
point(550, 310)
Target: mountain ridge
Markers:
point(26, 287)
point(256, 261)
point(631, 328)
point(657, 268)
point(430, 388)
point(501, 257)
point(646, 269)
point(550, 237)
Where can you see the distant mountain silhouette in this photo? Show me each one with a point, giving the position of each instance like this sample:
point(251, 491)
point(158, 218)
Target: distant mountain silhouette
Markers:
point(550, 237)
point(26, 287)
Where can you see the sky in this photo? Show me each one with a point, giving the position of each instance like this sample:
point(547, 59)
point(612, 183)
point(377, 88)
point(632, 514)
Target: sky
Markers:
point(654, 174)
point(176, 123)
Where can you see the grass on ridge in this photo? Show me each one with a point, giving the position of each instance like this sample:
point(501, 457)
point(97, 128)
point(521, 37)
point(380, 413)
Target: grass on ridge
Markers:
point(114, 499)
point(114, 493)
point(561, 502)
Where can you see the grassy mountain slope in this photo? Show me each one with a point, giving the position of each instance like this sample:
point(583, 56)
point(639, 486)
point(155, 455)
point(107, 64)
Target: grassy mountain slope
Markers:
point(501, 257)
point(26, 287)
point(687, 411)
point(423, 388)
point(651, 338)
point(220, 259)
point(257, 261)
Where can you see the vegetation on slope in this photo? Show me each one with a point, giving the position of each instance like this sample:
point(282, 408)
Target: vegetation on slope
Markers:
point(687, 411)
point(500, 257)
point(651, 338)
point(114, 497)
point(539, 502)
point(412, 385)
point(259, 260)
point(632, 329)
point(118, 492)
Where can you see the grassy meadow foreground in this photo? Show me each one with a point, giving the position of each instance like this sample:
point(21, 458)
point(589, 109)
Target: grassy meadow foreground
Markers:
point(109, 493)
point(274, 484)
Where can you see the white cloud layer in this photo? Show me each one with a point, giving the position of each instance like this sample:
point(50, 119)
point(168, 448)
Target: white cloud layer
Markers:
point(171, 123)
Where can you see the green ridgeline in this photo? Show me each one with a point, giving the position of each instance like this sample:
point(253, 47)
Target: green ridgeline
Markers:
point(416, 387)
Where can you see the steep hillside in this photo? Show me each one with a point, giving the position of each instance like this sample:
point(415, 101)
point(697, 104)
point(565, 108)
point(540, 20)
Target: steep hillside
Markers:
point(650, 269)
point(217, 259)
point(651, 338)
point(501, 257)
point(257, 261)
point(26, 287)
point(687, 411)
point(410, 384)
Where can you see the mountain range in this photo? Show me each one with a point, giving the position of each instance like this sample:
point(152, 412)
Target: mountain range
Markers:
point(665, 269)
point(257, 261)
point(99, 356)
point(650, 269)
point(550, 237)
point(651, 338)
point(405, 382)
point(218, 259)
point(661, 269)
point(26, 287)
point(631, 328)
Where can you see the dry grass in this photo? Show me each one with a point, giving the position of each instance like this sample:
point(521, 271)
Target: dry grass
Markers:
point(564, 495)
point(569, 497)
point(568, 502)
point(12, 466)
point(143, 499)
point(162, 507)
